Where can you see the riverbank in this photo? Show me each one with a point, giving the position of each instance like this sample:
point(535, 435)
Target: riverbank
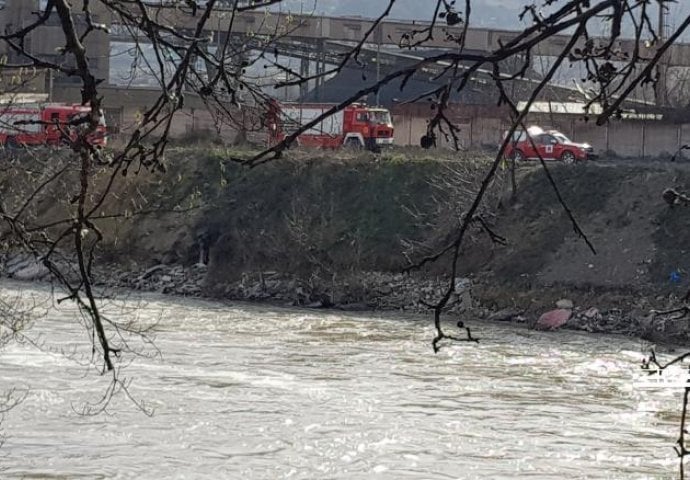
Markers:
point(607, 312)
point(610, 313)
point(335, 232)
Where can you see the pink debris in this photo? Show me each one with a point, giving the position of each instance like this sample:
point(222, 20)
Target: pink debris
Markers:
point(553, 319)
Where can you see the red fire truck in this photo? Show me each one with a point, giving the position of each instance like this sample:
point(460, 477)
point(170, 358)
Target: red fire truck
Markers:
point(356, 126)
point(46, 124)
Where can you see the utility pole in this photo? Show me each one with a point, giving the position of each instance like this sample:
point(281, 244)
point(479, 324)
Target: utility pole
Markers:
point(378, 35)
point(662, 66)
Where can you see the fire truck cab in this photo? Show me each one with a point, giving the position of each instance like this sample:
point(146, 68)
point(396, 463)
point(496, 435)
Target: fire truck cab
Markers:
point(368, 127)
point(47, 124)
point(356, 126)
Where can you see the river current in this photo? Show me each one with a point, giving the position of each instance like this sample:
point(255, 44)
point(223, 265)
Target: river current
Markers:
point(252, 392)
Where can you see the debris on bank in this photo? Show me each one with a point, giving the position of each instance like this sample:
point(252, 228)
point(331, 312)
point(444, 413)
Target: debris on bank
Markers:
point(362, 291)
point(367, 291)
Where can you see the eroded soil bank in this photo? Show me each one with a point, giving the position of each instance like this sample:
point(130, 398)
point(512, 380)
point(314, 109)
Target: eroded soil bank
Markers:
point(326, 230)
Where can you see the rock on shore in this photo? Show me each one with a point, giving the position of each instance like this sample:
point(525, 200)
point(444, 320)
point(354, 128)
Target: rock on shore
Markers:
point(364, 291)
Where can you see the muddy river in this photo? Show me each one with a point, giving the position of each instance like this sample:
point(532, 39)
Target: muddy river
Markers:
point(250, 392)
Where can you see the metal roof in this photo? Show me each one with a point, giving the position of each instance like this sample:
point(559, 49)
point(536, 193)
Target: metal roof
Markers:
point(22, 98)
point(570, 108)
point(578, 108)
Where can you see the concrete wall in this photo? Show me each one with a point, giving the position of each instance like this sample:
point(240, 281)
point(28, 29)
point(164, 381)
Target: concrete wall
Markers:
point(589, 132)
point(637, 139)
point(685, 139)
point(626, 139)
point(409, 129)
point(188, 122)
point(482, 127)
point(192, 122)
point(661, 139)
point(123, 108)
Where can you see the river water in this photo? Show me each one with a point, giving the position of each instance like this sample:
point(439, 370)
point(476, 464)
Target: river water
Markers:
point(250, 392)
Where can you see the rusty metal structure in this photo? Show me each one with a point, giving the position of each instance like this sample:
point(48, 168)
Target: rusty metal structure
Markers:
point(311, 38)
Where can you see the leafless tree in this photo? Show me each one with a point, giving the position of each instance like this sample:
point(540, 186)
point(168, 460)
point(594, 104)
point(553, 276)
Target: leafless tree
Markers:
point(654, 366)
point(17, 312)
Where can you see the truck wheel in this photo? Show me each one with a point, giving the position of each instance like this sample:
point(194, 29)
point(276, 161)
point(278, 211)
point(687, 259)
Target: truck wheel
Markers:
point(371, 145)
point(518, 156)
point(353, 143)
point(12, 143)
point(427, 141)
point(568, 158)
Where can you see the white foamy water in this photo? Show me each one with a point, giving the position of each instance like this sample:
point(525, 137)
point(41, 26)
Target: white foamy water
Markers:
point(245, 392)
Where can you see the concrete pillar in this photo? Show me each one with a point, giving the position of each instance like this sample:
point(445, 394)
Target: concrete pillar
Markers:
point(304, 72)
point(608, 145)
point(660, 89)
point(320, 69)
point(378, 39)
point(679, 141)
point(644, 139)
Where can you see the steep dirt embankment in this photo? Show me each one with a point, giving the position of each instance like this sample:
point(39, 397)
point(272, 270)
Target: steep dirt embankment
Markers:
point(327, 222)
point(308, 212)
point(641, 242)
point(316, 227)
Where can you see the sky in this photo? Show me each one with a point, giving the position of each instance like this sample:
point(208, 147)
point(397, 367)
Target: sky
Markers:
point(502, 14)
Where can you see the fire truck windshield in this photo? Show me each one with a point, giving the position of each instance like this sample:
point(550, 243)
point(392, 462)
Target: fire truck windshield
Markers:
point(82, 118)
point(78, 118)
point(380, 117)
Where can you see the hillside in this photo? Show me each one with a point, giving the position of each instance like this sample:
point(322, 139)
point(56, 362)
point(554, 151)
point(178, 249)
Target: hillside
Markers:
point(639, 239)
point(312, 212)
point(339, 229)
